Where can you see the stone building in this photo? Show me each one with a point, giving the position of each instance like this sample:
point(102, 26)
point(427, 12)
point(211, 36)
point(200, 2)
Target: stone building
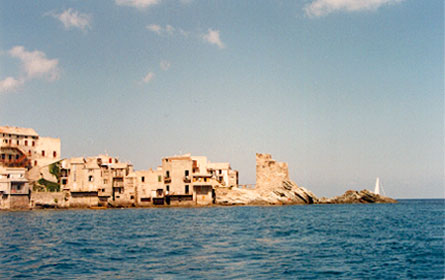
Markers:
point(270, 173)
point(190, 180)
point(14, 188)
point(98, 181)
point(150, 187)
point(23, 147)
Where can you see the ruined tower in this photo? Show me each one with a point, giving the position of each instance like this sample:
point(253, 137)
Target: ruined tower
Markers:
point(270, 173)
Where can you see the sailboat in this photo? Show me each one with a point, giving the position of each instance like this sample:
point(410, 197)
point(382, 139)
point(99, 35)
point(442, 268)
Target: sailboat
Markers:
point(379, 187)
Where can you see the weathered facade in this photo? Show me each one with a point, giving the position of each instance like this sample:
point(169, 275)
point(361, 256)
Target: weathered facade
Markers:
point(150, 187)
point(97, 181)
point(23, 147)
point(14, 188)
point(190, 180)
point(269, 172)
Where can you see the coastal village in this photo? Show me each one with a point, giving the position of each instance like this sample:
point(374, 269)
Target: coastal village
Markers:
point(34, 175)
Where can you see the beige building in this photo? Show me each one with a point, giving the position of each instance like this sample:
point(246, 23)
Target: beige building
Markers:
point(150, 187)
point(23, 147)
point(190, 180)
point(98, 181)
point(14, 188)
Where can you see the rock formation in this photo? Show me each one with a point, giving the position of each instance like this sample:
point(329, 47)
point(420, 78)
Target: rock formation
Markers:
point(363, 196)
point(273, 187)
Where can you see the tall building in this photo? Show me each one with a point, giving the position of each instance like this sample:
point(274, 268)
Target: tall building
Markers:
point(23, 147)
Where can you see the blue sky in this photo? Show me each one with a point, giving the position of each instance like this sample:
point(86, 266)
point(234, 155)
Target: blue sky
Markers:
point(343, 90)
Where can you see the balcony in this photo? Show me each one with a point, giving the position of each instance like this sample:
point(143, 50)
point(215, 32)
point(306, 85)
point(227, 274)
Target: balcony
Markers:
point(118, 184)
point(187, 179)
point(118, 173)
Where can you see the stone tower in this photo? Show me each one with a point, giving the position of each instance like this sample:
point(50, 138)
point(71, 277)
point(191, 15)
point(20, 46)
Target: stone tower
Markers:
point(270, 173)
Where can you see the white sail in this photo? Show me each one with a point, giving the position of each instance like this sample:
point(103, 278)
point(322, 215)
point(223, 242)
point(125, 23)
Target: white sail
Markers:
point(377, 186)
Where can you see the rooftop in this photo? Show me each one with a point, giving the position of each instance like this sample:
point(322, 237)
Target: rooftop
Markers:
point(18, 130)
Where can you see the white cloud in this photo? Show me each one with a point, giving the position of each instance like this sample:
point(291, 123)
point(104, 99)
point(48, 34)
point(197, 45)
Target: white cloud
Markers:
point(165, 65)
point(319, 8)
point(168, 29)
point(212, 37)
point(148, 77)
point(10, 84)
point(155, 28)
point(35, 64)
point(140, 4)
point(71, 18)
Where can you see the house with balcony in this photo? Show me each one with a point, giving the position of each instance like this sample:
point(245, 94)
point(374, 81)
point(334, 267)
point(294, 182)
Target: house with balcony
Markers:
point(150, 187)
point(23, 147)
point(190, 180)
point(14, 188)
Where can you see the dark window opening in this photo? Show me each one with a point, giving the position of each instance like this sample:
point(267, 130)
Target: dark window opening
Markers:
point(143, 179)
point(187, 189)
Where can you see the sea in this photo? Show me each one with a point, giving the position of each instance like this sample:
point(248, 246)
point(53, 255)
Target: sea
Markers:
point(359, 241)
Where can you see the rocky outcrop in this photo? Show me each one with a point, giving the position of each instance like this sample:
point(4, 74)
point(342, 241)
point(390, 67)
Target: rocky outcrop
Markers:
point(363, 196)
point(273, 187)
point(285, 193)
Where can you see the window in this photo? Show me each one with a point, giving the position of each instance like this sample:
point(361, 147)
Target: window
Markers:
point(16, 156)
point(35, 163)
point(26, 142)
point(90, 178)
point(29, 152)
point(159, 178)
point(167, 174)
point(3, 156)
point(143, 179)
point(33, 143)
point(64, 181)
point(54, 154)
point(132, 197)
point(186, 173)
point(220, 171)
point(186, 189)
point(43, 153)
point(110, 160)
point(10, 157)
point(18, 142)
point(167, 188)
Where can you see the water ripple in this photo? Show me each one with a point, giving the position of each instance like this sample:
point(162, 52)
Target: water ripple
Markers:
point(401, 241)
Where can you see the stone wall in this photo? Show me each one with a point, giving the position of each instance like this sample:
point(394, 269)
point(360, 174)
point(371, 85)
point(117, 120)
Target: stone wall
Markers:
point(270, 173)
point(49, 200)
point(19, 201)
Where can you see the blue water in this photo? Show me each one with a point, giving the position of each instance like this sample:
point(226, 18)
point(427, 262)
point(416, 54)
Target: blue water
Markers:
point(382, 241)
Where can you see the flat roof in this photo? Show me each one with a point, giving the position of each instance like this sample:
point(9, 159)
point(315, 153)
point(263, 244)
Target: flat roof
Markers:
point(18, 130)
